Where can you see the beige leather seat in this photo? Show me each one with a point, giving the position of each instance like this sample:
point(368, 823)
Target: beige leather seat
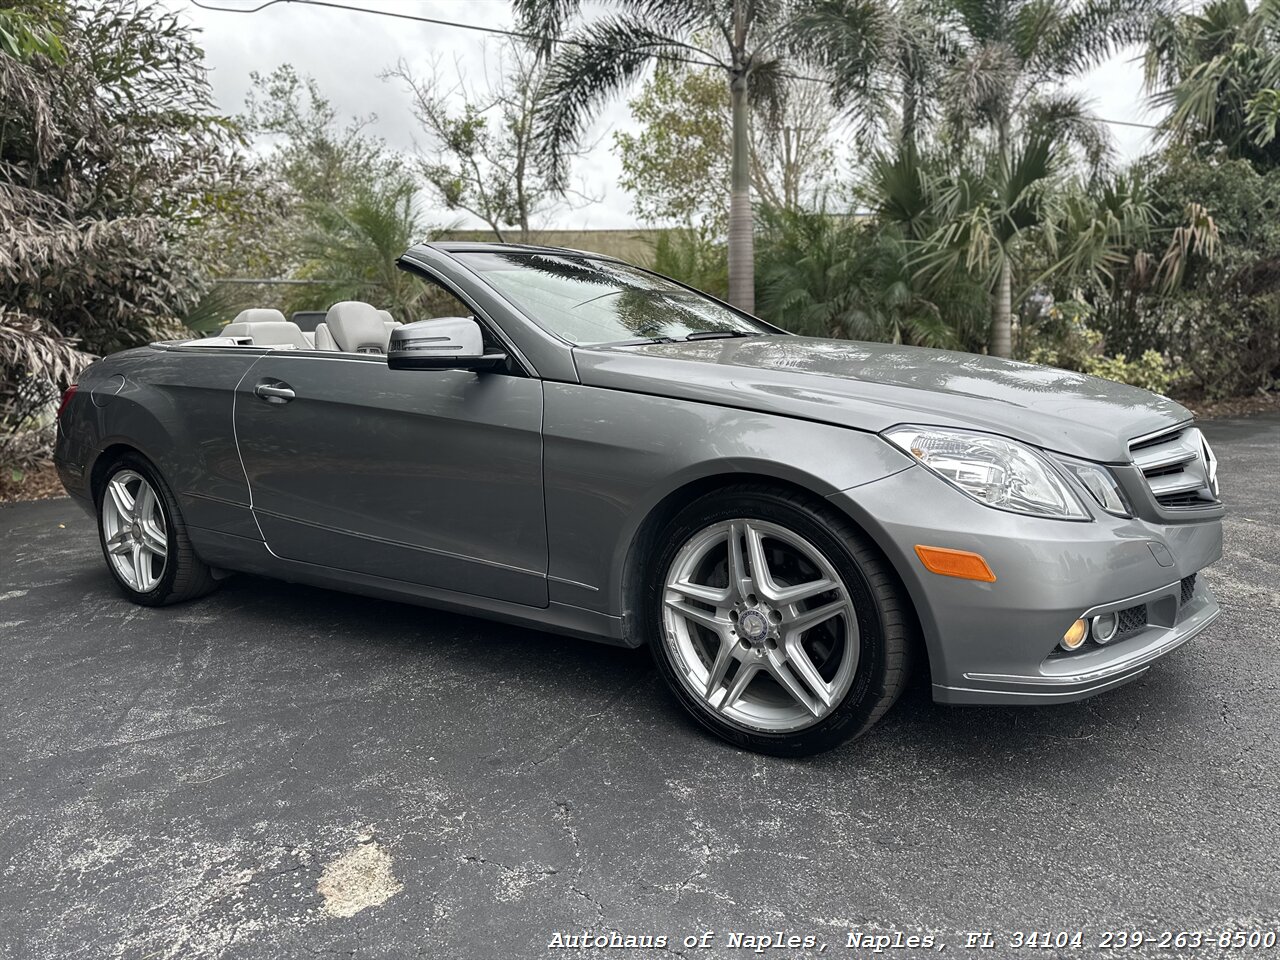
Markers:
point(389, 322)
point(267, 328)
point(353, 327)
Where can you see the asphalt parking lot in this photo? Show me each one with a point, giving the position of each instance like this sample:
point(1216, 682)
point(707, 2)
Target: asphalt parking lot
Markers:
point(239, 776)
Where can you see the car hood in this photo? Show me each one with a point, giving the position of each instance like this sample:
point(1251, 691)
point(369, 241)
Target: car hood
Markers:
point(873, 386)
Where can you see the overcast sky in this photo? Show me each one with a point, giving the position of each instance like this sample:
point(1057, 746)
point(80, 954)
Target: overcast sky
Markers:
point(345, 52)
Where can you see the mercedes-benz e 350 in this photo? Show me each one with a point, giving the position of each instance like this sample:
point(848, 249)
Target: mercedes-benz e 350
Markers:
point(565, 441)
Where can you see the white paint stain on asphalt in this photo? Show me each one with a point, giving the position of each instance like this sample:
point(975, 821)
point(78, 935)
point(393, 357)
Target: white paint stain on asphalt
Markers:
point(359, 879)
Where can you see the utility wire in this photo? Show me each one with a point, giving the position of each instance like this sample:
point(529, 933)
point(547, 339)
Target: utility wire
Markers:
point(499, 31)
point(542, 38)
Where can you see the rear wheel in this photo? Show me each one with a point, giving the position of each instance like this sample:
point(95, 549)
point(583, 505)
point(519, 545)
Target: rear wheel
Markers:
point(779, 626)
point(144, 538)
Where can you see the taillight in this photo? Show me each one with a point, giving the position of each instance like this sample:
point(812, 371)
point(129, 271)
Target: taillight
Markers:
point(67, 394)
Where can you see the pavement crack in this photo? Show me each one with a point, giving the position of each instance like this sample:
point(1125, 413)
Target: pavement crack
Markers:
point(565, 815)
point(577, 731)
point(293, 756)
point(591, 900)
point(128, 709)
point(484, 861)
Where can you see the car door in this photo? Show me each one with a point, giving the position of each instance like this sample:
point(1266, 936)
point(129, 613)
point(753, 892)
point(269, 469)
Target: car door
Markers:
point(432, 477)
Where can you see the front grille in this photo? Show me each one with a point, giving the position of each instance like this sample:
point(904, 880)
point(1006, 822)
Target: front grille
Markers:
point(1188, 588)
point(1178, 467)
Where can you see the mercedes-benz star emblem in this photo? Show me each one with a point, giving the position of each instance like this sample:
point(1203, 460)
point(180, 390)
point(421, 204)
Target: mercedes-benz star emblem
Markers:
point(753, 626)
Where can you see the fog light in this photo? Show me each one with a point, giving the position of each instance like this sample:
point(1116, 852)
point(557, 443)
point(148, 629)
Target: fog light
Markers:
point(1105, 626)
point(1074, 636)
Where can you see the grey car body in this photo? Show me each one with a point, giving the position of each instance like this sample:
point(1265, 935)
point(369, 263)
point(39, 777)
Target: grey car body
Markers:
point(534, 498)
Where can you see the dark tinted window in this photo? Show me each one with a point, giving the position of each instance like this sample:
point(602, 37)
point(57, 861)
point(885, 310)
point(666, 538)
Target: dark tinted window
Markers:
point(586, 301)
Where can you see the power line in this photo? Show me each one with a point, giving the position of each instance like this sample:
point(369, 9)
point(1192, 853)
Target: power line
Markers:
point(542, 38)
point(1130, 123)
point(498, 31)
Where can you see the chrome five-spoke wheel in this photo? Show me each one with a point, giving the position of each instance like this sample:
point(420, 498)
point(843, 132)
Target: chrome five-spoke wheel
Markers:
point(134, 531)
point(759, 625)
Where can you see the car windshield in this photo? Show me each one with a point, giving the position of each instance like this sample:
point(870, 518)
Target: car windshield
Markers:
point(589, 301)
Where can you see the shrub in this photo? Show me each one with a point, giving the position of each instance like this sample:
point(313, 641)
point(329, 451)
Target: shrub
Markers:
point(112, 152)
point(693, 256)
point(1063, 339)
point(1230, 344)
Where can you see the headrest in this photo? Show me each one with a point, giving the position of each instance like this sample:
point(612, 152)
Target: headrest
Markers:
point(259, 315)
point(268, 333)
point(388, 318)
point(356, 327)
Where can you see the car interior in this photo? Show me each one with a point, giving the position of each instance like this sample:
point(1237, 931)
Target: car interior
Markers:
point(350, 326)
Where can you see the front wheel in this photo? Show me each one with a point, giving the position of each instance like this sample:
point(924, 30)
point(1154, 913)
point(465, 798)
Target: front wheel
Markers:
point(777, 624)
point(144, 538)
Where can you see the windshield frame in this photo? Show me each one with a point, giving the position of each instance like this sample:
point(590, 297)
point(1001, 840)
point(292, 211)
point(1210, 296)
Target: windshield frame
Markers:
point(463, 257)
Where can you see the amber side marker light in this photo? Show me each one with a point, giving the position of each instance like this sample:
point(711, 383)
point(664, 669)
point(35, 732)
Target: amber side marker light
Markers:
point(955, 563)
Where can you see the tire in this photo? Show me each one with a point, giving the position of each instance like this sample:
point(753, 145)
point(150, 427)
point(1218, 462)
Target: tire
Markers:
point(158, 581)
point(807, 688)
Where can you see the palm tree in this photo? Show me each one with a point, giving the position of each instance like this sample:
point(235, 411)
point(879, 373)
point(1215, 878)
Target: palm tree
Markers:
point(1121, 241)
point(110, 155)
point(884, 58)
point(848, 276)
point(1006, 84)
point(743, 38)
point(1218, 73)
point(984, 211)
point(24, 33)
point(354, 247)
point(36, 360)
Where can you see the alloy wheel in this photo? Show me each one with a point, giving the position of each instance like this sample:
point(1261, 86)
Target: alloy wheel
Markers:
point(134, 531)
point(760, 626)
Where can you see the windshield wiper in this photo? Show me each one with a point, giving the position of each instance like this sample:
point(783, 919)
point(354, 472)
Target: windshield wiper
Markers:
point(721, 334)
point(639, 342)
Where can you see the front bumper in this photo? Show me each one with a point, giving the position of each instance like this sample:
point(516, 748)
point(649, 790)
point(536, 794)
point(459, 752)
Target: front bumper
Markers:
point(1095, 668)
point(998, 642)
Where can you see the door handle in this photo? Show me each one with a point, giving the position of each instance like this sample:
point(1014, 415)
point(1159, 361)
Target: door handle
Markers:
point(280, 393)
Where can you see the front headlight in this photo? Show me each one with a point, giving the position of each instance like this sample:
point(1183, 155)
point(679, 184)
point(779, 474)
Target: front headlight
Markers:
point(1101, 485)
point(1001, 473)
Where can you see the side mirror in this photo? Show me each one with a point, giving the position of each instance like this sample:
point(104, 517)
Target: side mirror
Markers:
point(448, 343)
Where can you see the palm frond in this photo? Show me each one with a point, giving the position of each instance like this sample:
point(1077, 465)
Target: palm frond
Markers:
point(769, 88)
point(1067, 116)
point(1030, 176)
point(1087, 33)
point(1197, 236)
point(1033, 25)
point(614, 51)
point(545, 20)
point(982, 84)
point(851, 41)
point(1216, 73)
point(982, 20)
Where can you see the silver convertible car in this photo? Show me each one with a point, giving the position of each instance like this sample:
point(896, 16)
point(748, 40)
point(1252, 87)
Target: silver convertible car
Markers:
point(568, 442)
